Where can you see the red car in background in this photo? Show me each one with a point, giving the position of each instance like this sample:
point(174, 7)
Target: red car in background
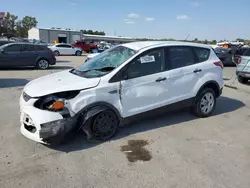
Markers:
point(85, 46)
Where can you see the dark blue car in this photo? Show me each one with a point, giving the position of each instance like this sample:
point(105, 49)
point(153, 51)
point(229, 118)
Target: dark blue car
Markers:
point(25, 54)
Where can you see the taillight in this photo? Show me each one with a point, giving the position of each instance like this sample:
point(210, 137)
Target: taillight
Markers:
point(239, 60)
point(52, 53)
point(219, 64)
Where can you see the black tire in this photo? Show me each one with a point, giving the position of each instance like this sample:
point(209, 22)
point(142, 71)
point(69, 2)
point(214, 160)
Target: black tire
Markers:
point(42, 64)
point(208, 96)
point(57, 53)
point(242, 80)
point(104, 125)
point(78, 53)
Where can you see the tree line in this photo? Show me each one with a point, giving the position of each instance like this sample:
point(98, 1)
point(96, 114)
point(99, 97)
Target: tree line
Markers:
point(90, 32)
point(12, 26)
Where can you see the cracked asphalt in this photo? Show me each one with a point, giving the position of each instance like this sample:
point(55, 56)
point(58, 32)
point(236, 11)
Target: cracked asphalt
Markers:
point(185, 152)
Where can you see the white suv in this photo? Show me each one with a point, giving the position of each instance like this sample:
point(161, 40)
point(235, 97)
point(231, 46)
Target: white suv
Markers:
point(123, 82)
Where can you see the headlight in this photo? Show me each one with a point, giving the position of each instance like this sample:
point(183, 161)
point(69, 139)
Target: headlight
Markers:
point(57, 105)
point(55, 102)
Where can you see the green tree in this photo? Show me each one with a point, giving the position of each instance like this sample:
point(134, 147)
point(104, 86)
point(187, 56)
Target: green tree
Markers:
point(9, 23)
point(240, 40)
point(214, 41)
point(28, 22)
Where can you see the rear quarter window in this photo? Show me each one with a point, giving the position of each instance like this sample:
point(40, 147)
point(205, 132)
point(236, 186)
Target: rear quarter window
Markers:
point(42, 48)
point(202, 54)
point(246, 52)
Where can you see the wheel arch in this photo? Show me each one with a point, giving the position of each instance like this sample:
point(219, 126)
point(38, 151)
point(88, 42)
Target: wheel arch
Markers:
point(85, 115)
point(210, 84)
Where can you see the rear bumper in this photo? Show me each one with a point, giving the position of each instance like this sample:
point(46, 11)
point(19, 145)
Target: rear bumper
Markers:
point(243, 74)
point(52, 61)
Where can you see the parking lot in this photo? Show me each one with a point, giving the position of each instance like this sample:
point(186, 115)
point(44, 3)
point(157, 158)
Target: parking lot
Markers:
point(179, 149)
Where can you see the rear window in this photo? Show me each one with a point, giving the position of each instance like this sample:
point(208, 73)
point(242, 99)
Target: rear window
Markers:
point(246, 52)
point(202, 54)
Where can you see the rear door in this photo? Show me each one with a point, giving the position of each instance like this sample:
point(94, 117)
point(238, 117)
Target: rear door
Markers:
point(29, 55)
point(185, 71)
point(10, 56)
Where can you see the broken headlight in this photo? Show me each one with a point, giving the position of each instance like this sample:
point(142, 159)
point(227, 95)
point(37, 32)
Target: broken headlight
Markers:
point(55, 102)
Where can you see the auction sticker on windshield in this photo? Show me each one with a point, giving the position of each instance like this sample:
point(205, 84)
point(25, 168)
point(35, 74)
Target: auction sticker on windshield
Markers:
point(147, 59)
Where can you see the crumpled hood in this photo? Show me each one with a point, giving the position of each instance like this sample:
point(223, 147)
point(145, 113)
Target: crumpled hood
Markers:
point(59, 82)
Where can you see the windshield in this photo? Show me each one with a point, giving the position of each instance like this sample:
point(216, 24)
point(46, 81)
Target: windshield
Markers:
point(105, 62)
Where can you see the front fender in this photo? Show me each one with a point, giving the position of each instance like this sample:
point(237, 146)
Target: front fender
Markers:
point(85, 119)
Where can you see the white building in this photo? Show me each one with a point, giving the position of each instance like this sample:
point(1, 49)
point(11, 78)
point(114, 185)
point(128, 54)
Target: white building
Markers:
point(69, 36)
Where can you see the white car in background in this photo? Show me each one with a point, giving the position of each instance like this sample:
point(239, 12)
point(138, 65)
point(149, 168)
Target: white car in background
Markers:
point(90, 56)
point(65, 49)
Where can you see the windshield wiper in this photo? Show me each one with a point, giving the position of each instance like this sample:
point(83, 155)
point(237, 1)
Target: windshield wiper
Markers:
point(101, 69)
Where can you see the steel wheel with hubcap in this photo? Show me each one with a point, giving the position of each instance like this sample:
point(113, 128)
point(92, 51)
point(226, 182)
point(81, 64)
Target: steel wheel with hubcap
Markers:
point(207, 103)
point(43, 64)
point(105, 125)
point(204, 103)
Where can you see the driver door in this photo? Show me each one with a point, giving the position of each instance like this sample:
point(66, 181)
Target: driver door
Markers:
point(146, 84)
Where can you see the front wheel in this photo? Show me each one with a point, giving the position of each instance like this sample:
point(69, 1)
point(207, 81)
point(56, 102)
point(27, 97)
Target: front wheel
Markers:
point(56, 53)
point(105, 125)
point(204, 103)
point(78, 53)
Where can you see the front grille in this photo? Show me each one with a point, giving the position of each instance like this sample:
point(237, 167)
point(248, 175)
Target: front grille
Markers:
point(26, 97)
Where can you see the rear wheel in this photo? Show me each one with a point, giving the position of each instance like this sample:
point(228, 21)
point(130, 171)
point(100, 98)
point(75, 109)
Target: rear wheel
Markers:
point(204, 103)
point(242, 79)
point(42, 64)
point(105, 125)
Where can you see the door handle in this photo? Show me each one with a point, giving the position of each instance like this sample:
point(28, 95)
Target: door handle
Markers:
point(197, 70)
point(160, 79)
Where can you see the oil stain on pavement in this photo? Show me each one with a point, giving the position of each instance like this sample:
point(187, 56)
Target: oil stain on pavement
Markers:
point(135, 151)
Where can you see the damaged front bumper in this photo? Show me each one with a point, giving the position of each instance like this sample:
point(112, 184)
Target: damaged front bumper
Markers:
point(44, 126)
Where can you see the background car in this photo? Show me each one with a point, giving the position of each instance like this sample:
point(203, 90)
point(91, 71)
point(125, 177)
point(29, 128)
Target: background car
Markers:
point(2, 42)
point(85, 46)
point(65, 49)
point(25, 54)
point(243, 66)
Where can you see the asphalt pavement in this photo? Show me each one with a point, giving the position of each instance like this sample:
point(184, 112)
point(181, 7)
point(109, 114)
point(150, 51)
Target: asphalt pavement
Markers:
point(176, 150)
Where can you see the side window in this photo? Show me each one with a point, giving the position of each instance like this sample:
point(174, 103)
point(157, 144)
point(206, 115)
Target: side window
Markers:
point(246, 52)
point(13, 48)
point(29, 48)
point(202, 54)
point(41, 48)
point(67, 46)
point(149, 62)
point(59, 45)
point(181, 56)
